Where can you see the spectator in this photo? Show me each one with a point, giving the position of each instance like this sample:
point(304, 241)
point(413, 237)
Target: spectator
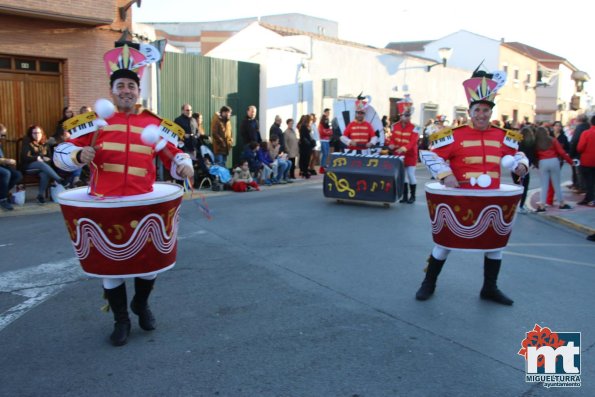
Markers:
point(9, 175)
point(586, 149)
point(548, 151)
point(201, 137)
point(221, 135)
point(35, 158)
point(557, 132)
point(275, 130)
point(325, 132)
point(250, 154)
point(242, 181)
point(85, 109)
point(527, 146)
point(306, 144)
point(281, 165)
point(335, 143)
point(291, 146)
point(267, 164)
point(249, 129)
point(315, 156)
point(190, 127)
point(73, 178)
point(583, 125)
point(67, 113)
point(385, 122)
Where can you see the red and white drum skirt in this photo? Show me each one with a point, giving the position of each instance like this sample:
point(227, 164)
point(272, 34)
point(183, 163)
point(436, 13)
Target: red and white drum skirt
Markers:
point(472, 219)
point(124, 236)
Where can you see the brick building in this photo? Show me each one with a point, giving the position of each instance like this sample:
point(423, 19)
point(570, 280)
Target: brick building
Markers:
point(51, 56)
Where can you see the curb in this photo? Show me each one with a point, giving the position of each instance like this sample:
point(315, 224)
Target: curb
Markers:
point(51, 207)
point(573, 225)
point(558, 219)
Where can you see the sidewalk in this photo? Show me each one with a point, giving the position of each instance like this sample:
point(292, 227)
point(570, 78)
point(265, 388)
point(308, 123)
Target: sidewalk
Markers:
point(31, 206)
point(580, 217)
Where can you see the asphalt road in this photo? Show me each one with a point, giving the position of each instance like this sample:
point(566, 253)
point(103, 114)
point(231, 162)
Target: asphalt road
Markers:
point(286, 293)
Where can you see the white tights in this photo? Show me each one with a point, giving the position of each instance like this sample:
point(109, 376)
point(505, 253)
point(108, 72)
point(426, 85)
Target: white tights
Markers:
point(111, 283)
point(441, 253)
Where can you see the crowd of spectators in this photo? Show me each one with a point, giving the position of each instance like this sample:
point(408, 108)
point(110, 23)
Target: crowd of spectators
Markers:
point(305, 145)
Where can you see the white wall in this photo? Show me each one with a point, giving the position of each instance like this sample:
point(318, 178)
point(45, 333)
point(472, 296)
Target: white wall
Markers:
point(469, 49)
point(288, 62)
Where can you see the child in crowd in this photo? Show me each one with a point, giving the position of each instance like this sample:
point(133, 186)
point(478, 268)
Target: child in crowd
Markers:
point(242, 180)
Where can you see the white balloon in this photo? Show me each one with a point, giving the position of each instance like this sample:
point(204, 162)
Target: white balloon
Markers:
point(150, 134)
point(507, 161)
point(104, 108)
point(484, 180)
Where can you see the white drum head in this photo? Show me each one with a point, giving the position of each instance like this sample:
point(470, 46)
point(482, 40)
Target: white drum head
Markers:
point(80, 197)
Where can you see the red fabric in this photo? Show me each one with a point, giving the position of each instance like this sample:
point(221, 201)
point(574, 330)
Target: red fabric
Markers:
point(555, 151)
point(243, 186)
point(359, 133)
point(470, 144)
point(324, 133)
point(586, 147)
point(550, 194)
point(407, 137)
point(130, 170)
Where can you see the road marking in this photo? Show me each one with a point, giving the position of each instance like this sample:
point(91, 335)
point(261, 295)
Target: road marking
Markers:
point(6, 245)
point(549, 258)
point(37, 284)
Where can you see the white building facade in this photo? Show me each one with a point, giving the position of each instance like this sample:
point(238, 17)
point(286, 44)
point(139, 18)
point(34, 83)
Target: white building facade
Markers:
point(304, 73)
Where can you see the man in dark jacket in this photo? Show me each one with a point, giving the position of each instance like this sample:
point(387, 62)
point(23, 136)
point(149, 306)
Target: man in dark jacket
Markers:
point(249, 129)
point(583, 125)
point(276, 131)
point(190, 127)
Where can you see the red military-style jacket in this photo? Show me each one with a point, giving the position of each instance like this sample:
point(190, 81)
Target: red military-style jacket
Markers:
point(473, 152)
point(406, 137)
point(123, 164)
point(359, 133)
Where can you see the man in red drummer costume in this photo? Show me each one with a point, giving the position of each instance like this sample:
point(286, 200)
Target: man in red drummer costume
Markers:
point(474, 153)
point(122, 165)
point(359, 135)
point(403, 141)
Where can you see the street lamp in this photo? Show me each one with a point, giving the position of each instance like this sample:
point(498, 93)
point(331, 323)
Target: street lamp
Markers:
point(444, 53)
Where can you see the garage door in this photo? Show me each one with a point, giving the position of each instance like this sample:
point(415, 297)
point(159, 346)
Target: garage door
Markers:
point(29, 95)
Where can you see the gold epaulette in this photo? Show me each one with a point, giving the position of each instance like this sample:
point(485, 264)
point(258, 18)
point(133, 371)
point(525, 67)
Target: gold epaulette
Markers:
point(512, 139)
point(442, 138)
point(440, 134)
point(172, 127)
point(78, 120)
point(166, 124)
point(516, 135)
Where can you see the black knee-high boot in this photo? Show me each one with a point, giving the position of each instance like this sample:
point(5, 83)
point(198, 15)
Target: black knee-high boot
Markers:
point(405, 192)
point(118, 303)
point(429, 284)
point(490, 291)
point(140, 305)
point(412, 195)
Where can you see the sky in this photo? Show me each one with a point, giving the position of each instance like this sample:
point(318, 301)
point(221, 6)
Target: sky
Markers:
point(563, 30)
